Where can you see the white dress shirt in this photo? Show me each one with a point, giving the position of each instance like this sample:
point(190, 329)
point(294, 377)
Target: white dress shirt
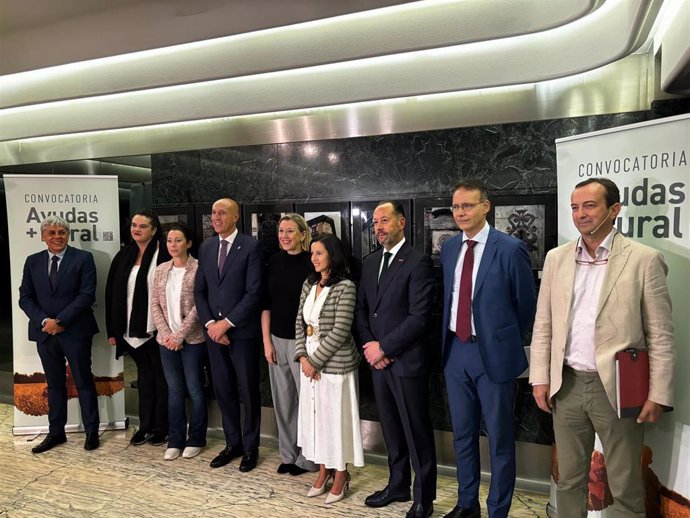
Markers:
point(480, 238)
point(392, 251)
point(59, 255)
point(230, 240)
point(589, 278)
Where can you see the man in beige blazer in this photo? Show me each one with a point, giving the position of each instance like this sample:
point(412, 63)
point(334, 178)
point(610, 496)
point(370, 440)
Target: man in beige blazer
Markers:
point(600, 294)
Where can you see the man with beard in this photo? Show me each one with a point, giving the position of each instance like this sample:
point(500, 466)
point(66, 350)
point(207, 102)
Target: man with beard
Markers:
point(393, 313)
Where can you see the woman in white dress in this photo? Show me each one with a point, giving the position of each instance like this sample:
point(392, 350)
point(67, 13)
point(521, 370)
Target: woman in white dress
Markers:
point(328, 425)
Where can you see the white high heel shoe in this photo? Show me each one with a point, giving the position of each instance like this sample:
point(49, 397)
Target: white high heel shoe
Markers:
point(332, 498)
point(316, 491)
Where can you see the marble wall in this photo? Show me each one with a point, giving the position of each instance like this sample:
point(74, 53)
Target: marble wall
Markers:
point(513, 159)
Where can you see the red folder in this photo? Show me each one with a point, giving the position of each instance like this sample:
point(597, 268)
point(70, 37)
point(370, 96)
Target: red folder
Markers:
point(632, 381)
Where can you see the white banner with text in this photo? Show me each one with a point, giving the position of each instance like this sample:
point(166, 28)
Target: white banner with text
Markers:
point(650, 164)
point(90, 205)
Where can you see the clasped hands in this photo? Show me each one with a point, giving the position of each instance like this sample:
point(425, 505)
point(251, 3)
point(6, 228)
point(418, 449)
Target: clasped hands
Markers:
point(171, 344)
point(308, 369)
point(375, 355)
point(216, 331)
point(51, 326)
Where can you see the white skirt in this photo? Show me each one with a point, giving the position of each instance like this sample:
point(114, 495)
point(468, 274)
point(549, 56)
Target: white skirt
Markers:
point(328, 425)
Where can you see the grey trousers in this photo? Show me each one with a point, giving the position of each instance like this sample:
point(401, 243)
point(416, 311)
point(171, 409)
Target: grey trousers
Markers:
point(284, 376)
point(580, 409)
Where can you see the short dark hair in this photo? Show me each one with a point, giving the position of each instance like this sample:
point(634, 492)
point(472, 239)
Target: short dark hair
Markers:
point(181, 227)
point(397, 207)
point(612, 195)
point(337, 270)
point(472, 184)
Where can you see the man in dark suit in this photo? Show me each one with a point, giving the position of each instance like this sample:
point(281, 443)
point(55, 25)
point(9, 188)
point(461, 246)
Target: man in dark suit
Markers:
point(57, 291)
point(227, 293)
point(488, 306)
point(393, 312)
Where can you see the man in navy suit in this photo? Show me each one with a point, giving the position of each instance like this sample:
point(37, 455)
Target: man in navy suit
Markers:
point(393, 312)
point(57, 293)
point(227, 293)
point(488, 305)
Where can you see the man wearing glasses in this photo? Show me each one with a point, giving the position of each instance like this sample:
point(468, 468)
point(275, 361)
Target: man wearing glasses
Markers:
point(599, 295)
point(488, 306)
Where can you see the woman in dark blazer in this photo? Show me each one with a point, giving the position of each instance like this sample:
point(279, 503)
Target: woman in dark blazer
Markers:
point(130, 326)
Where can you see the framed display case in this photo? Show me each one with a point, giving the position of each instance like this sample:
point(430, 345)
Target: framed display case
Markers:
point(261, 222)
point(202, 219)
point(530, 218)
point(433, 222)
point(328, 218)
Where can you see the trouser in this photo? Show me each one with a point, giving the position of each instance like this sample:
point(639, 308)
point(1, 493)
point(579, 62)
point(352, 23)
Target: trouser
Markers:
point(581, 408)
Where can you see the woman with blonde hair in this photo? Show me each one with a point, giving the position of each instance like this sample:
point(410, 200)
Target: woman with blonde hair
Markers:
point(285, 274)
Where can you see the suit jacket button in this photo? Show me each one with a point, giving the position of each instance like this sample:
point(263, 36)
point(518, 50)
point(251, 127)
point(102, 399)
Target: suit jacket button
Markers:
point(376, 315)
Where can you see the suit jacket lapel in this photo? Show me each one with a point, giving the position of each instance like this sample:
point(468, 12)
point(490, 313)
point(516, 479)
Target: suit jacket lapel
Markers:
point(567, 270)
point(487, 259)
point(454, 244)
point(617, 259)
point(394, 266)
point(62, 267)
point(232, 254)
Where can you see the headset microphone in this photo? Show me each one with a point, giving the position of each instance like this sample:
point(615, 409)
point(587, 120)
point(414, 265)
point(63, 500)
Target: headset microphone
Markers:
point(601, 224)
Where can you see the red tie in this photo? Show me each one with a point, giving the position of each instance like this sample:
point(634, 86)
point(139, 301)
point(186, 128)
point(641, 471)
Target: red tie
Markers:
point(463, 324)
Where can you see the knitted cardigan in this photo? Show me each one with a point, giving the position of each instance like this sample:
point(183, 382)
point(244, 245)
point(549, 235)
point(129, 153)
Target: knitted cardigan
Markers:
point(336, 353)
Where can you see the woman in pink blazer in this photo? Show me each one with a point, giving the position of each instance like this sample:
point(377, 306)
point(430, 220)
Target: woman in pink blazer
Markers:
point(182, 345)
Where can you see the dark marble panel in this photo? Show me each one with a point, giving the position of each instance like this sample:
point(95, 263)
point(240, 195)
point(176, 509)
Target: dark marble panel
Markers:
point(511, 158)
point(176, 178)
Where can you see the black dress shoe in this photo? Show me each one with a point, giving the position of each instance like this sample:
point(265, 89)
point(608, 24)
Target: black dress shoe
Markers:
point(420, 511)
point(227, 455)
point(296, 471)
point(51, 441)
point(284, 468)
point(464, 512)
point(249, 460)
point(140, 437)
point(92, 441)
point(384, 497)
point(158, 438)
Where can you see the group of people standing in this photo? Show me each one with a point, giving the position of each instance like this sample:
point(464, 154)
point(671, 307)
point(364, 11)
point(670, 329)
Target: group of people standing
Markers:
point(168, 310)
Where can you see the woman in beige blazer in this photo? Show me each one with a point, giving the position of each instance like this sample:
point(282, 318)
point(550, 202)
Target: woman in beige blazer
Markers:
point(182, 345)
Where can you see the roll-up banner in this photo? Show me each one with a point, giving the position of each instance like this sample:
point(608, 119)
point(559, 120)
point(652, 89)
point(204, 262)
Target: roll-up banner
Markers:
point(650, 164)
point(90, 205)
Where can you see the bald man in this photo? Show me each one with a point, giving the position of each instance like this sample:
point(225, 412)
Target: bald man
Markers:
point(227, 292)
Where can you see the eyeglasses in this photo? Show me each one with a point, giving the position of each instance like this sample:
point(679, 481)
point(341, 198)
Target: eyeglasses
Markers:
point(465, 207)
point(596, 262)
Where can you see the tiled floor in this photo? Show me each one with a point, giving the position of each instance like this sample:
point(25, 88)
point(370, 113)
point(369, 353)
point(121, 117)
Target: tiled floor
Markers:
point(124, 481)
